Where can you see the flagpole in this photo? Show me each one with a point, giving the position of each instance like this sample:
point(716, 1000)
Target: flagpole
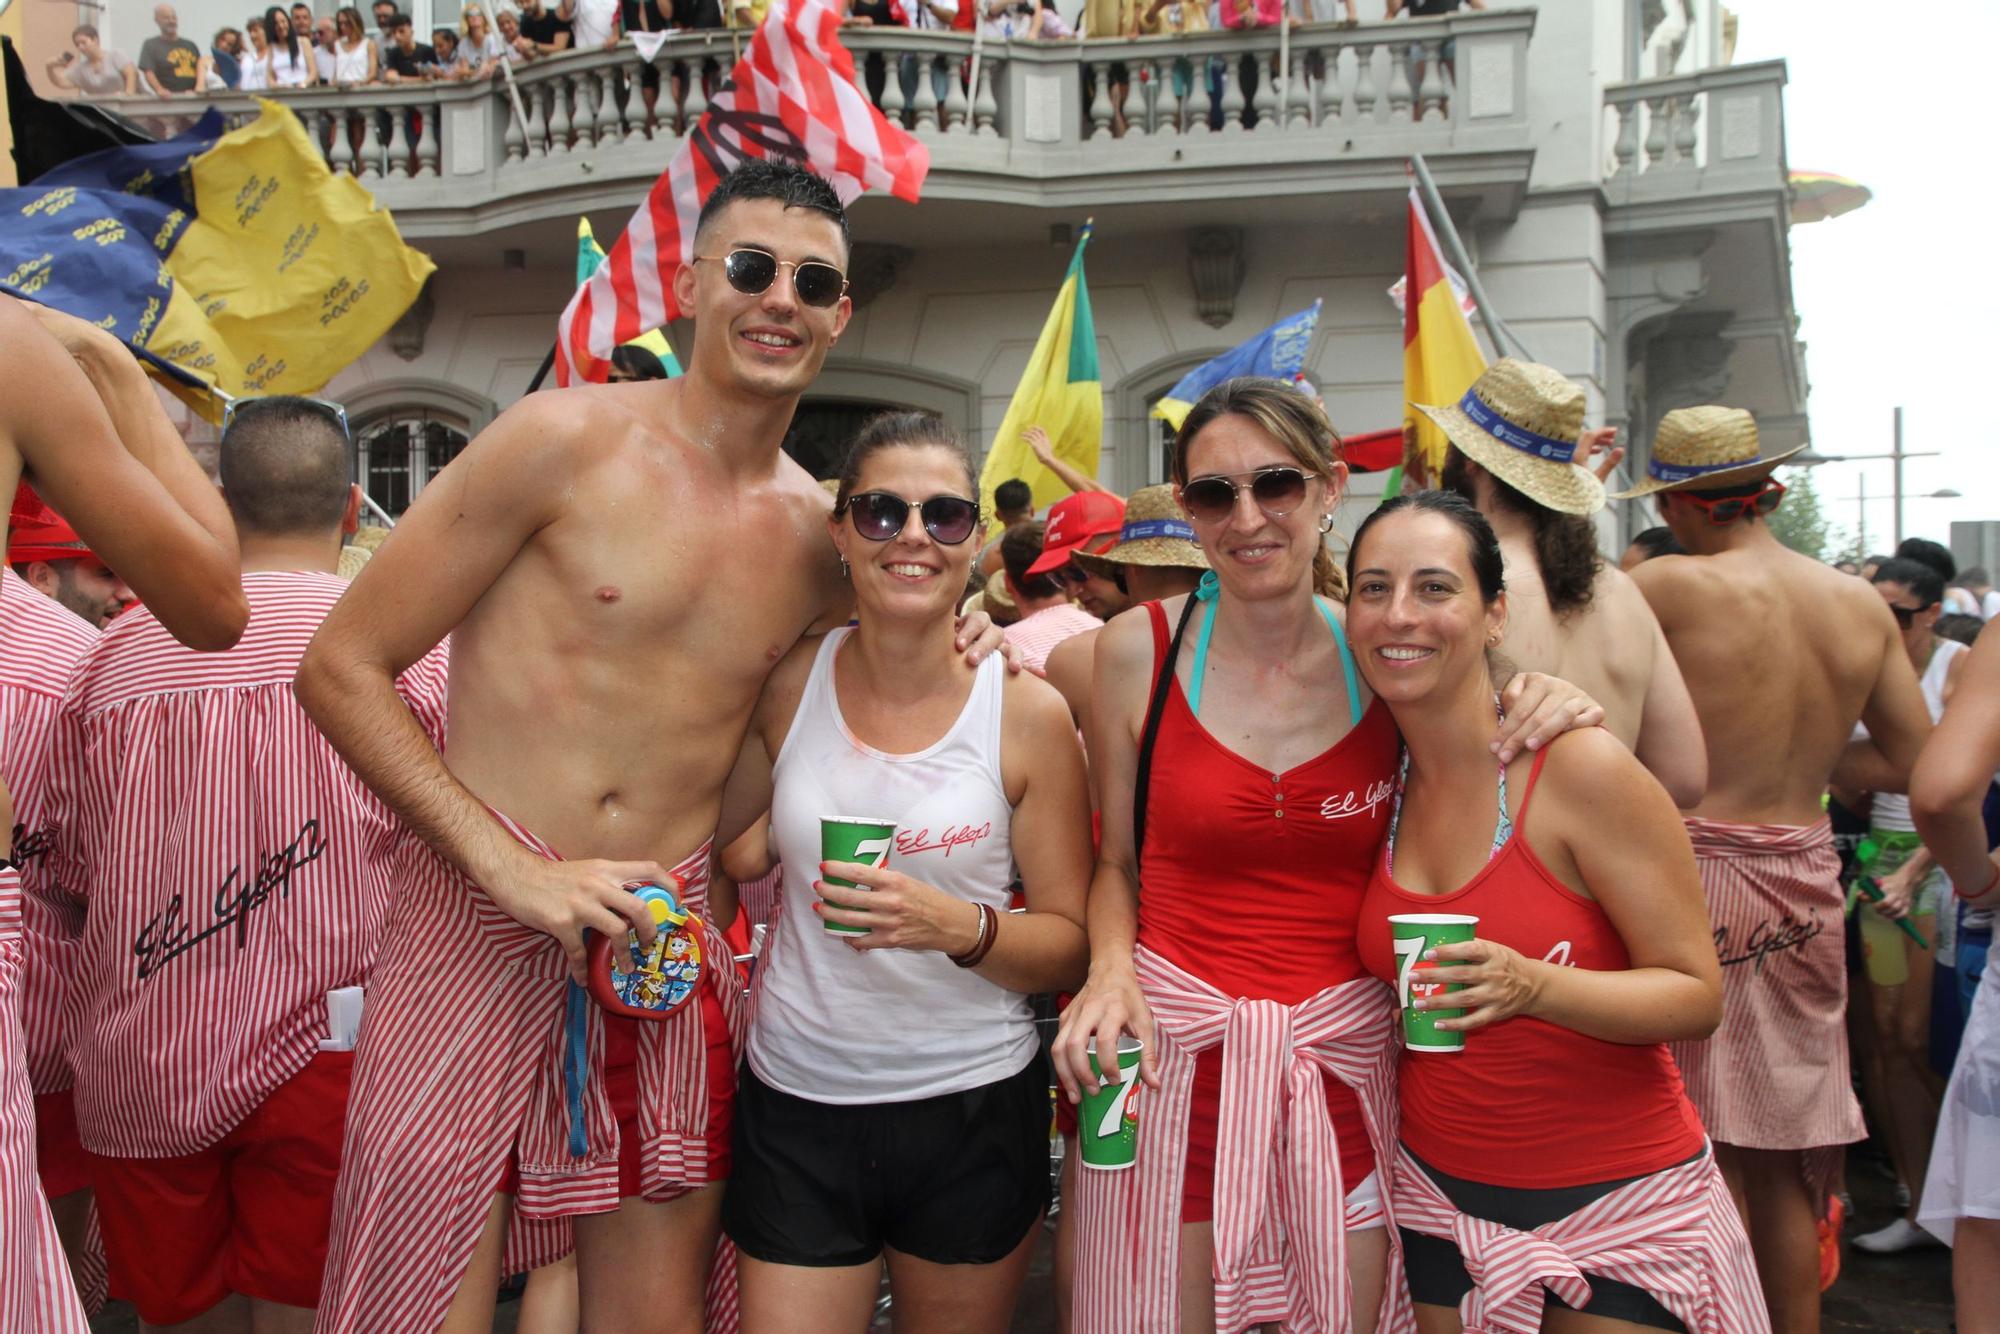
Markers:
point(1496, 328)
point(514, 95)
point(978, 41)
point(542, 374)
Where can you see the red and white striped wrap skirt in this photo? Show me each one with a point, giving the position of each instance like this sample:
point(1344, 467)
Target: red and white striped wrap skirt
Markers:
point(1775, 1074)
point(459, 1071)
point(37, 1295)
point(1280, 1203)
point(1675, 1234)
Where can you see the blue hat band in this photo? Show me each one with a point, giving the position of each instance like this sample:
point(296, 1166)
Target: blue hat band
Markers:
point(1515, 437)
point(1145, 528)
point(1683, 472)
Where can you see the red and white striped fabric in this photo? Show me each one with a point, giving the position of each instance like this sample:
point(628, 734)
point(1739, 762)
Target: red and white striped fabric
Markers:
point(234, 868)
point(460, 1068)
point(36, 1293)
point(1775, 1074)
point(1675, 1234)
point(1280, 1238)
point(792, 95)
point(1035, 636)
point(44, 642)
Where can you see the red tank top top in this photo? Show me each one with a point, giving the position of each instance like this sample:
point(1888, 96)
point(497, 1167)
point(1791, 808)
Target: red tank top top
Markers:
point(1253, 881)
point(1527, 1103)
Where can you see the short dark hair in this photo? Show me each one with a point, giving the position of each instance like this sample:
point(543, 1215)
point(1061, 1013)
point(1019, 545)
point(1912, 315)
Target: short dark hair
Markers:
point(899, 430)
point(1914, 575)
point(778, 178)
point(399, 20)
point(1926, 552)
point(1972, 576)
point(638, 362)
point(1013, 496)
point(286, 464)
point(1659, 541)
point(1489, 568)
point(1020, 547)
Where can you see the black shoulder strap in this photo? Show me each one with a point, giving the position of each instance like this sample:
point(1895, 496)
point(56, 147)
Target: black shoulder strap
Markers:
point(1142, 781)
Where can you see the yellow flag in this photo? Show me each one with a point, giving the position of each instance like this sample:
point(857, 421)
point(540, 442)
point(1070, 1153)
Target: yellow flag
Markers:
point(1061, 391)
point(1441, 358)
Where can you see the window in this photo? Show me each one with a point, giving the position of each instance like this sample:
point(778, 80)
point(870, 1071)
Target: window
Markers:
point(397, 454)
point(823, 428)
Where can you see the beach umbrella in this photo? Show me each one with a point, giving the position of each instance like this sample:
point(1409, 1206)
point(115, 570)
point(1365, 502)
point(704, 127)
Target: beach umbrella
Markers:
point(1819, 195)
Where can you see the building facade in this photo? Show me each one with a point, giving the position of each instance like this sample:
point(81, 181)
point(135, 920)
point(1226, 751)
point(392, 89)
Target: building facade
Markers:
point(1619, 186)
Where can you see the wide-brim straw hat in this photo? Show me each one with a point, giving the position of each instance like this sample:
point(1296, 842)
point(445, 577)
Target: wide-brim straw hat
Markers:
point(1521, 422)
point(352, 559)
point(1155, 532)
point(997, 593)
point(1705, 449)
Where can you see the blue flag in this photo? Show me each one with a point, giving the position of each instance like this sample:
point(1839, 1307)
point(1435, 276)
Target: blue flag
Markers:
point(1279, 352)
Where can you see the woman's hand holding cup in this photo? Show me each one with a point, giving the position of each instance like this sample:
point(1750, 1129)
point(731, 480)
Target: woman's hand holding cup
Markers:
point(899, 913)
point(1109, 1006)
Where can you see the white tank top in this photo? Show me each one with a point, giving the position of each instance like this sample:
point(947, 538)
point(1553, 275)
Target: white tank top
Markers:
point(288, 70)
point(350, 66)
point(838, 1025)
point(1891, 810)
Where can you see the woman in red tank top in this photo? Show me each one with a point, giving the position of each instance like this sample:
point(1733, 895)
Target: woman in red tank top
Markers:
point(1244, 777)
point(1562, 1114)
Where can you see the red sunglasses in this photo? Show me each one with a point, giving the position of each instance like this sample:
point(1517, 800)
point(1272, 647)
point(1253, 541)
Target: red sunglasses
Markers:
point(1729, 509)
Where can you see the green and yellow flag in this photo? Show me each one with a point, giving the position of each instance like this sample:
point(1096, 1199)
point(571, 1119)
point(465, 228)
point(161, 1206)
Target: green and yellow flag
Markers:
point(236, 263)
point(1060, 391)
point(588, 256)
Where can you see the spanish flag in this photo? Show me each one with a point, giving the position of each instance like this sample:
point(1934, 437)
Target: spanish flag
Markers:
point(1440, 357)
point(1060, 391)
point(236, 262)
point(588, 256)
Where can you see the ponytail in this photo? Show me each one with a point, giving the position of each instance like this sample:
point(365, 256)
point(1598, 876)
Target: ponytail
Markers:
point(1329, 580)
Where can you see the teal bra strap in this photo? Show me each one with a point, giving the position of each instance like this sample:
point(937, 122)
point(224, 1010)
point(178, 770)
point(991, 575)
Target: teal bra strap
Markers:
point(1209, 590)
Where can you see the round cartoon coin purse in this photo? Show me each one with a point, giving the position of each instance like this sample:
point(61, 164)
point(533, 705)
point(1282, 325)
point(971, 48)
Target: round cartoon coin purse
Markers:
point(649, 981)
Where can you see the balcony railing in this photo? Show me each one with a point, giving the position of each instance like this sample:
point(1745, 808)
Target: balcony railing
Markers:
point(448, 156)
point(1718, 130)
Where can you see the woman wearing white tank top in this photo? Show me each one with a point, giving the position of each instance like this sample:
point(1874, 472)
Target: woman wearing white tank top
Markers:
point(894, 1100)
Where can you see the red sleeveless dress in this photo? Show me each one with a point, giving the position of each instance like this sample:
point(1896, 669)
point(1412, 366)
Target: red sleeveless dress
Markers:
point(1254, 881)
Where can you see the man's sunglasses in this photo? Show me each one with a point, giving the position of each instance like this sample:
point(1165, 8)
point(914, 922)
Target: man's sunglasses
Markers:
point(1906, 616)
point(879, 516)
point(1731, 508)
point(752, 272)
point(1277, 491)
point(333, 411)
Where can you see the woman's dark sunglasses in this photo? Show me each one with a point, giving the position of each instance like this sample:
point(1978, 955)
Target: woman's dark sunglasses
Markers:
point(751, 272)
point(1277, 491)
point(879, 516)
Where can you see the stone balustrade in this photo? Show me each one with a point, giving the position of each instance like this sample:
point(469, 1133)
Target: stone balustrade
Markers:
point(1692, 133)
point(1005, 121)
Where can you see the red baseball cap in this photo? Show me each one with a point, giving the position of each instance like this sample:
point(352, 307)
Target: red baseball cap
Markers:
point(36, 532)
point(1073, 522)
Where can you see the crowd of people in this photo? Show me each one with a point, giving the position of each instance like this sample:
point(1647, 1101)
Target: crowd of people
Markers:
point(300, 1025)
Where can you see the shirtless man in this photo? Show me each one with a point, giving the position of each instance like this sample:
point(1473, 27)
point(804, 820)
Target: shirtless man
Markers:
point(92, 438)
point(1569, 613)
point(1782, 655)
point(619, 568)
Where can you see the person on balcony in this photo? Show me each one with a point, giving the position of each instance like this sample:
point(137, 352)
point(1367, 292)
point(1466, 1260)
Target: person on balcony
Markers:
point(92, 68)
point(509, 25)
point(292, 63)
point(543, 31)
point(253, 67)
point(223, 57)
point(481, 51)
point(594, 23)
point(172, 65)
point(450, 63)
point(1447, 54)
point(354, 58)
point(405, 57)
point(325, 50)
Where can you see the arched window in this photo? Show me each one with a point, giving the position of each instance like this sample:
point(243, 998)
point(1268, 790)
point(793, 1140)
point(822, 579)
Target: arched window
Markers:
point(398, 454)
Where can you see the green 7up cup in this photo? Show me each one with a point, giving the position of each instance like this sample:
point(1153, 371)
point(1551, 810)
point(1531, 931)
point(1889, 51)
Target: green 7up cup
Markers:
point(1107, 1124)
point(853, 838)
point(1412, 934)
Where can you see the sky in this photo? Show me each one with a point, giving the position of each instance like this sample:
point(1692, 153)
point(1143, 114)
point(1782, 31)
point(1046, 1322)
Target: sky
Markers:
point(1896, 300)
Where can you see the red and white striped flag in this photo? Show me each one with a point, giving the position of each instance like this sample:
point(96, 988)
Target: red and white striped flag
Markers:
point(793, 94)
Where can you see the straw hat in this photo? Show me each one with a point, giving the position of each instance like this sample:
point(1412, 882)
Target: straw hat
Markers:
point(1705, 448)
point(352, 558)
point(997, 594)
point(1155, 532)
point(1521, 422)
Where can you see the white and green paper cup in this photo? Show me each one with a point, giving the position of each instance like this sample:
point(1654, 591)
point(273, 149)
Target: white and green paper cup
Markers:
point(853, 838)
point(1107, 1124)
point(1411, 934)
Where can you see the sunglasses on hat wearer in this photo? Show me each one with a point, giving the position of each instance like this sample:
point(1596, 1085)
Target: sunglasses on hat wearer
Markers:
point(752, 272)
point(1277, 491)
point(1731, 508)
point(880, 516)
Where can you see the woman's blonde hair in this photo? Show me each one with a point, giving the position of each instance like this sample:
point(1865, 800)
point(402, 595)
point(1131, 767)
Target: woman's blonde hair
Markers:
point(1294, 421)
point(465, 18)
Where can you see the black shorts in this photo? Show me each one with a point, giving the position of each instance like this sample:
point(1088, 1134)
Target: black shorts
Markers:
point(956, 1179)
point(1437, 1271)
